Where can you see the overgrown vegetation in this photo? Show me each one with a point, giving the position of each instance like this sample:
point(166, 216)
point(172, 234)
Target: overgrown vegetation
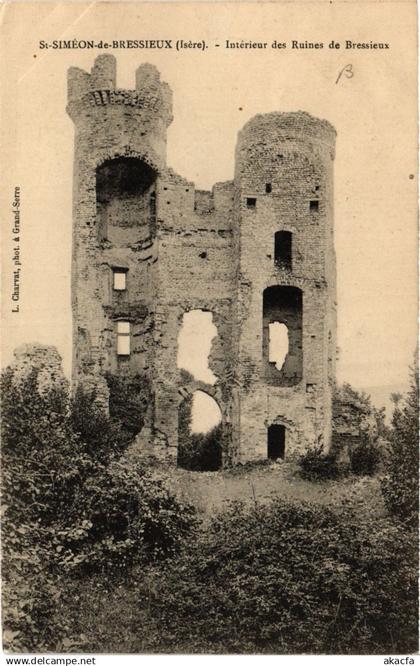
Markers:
point(400, 486)
point(290, 579)
point(278, 578)
point(316, 465)
point(365, 458)
point(129, 398)
point(100, 556)
point(354, 409)
point(202, 452)
point(70, 505)
point(362, 425)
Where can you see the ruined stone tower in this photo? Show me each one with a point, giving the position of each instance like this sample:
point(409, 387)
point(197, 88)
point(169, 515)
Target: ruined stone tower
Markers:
point(256, 254)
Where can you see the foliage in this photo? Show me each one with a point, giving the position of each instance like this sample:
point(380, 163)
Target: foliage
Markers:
point(30, 590)
point(287, 578)
point(198, 452)
point(316, 465)
point(400, 486)
point(102, 435)
point(129, 397)
point(202, 452)
point(365, 458)
point(355, 410)
point(360, 426)
point(70, 505)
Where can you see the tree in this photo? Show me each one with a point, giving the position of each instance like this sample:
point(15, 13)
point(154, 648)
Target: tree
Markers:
point(396, 398)
point(71, 504)
point(400, 485)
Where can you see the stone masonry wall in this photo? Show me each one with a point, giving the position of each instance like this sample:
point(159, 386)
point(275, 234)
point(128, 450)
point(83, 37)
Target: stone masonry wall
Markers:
point(184, 249)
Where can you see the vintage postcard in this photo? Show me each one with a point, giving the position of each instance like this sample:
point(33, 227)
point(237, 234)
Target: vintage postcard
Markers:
point(209, 316)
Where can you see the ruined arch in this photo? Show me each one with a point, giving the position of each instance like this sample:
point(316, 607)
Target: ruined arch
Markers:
point(125, 190)
point(199, 448)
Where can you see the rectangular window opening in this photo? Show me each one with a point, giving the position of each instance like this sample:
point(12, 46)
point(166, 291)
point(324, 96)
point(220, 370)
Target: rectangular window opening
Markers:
point(314, 206)
point(123, 338)
point(268, 188)
point(283, 250)
point(119, 278)
point(251, 202)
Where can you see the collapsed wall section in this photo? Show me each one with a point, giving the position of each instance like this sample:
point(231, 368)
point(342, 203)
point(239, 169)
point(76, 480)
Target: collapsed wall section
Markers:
point(195, 271)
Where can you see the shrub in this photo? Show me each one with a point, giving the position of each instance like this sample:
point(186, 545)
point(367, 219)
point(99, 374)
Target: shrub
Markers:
point(365, 458)
point(286, 578)
point(103, 435)
point(30, 591)
point(70, 505)
point(201, 452)
point(129, 398)
point(400, 486)
point(315, 465)
point(128, 517)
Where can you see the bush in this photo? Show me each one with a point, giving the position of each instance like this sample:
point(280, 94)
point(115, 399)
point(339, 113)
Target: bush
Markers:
point(315, 465)
point(30, 591)
point(201, 452)
point(400, 486)
point(365, 458)
point(129, 398)
point(285, 578)
point(70, 506)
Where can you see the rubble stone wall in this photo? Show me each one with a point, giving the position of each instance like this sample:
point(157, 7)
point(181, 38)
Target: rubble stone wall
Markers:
point(184, 249)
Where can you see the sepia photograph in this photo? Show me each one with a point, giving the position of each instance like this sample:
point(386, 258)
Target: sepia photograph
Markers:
point(209, 387)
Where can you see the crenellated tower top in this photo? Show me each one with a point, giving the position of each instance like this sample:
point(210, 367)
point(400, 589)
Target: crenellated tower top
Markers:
point(112, 121)
point(99, 88)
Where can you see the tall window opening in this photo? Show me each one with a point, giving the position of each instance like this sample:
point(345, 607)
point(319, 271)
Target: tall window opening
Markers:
point(283, 249)
point(276, 442)
point(282, 335)
point(123, 338)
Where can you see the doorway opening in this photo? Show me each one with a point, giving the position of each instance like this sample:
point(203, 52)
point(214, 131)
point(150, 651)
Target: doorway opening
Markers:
point(276, 441)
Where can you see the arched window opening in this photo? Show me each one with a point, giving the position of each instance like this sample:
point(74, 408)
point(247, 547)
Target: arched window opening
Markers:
point(200, 433)
point(125, 200)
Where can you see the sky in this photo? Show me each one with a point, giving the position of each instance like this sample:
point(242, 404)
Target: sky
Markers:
point(372, 107)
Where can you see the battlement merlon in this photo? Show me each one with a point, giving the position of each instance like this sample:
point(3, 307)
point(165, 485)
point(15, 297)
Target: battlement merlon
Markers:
point(98, 88)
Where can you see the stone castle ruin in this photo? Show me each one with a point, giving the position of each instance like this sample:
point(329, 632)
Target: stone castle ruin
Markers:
point(254, 258)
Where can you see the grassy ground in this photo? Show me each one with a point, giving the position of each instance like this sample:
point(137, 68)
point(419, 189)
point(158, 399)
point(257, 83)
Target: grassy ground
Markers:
point(208, 491)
